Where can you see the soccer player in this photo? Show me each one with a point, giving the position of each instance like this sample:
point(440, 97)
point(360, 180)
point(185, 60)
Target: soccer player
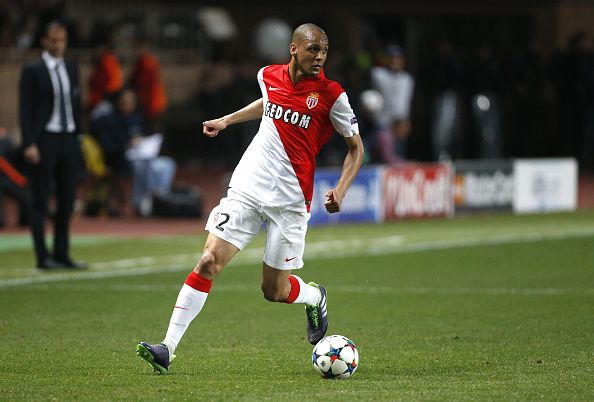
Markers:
point(273, 184)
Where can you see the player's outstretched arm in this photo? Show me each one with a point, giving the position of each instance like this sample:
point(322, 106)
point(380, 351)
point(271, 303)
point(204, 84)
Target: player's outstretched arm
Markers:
point(253, 111)
point(350, 168)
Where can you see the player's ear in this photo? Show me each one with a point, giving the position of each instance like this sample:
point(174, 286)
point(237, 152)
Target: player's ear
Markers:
point(293, 49)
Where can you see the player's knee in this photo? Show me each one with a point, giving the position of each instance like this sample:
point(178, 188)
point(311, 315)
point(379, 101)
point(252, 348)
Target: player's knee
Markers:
point(207, 265)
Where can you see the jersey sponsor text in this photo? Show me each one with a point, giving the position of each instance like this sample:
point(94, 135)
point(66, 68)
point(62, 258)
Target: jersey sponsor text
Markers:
point(277, 112)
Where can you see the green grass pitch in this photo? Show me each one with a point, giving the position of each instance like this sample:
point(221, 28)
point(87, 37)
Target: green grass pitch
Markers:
point(471, 308)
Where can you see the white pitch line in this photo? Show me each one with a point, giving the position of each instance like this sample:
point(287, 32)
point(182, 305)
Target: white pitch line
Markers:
point(489, 241)
point(145, 261)
point(64, 277)
point(319, 250)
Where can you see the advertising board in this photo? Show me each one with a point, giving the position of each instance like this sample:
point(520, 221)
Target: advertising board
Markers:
point(545, 185)
point(483, 185)
point(417, 190)
point(363, 202)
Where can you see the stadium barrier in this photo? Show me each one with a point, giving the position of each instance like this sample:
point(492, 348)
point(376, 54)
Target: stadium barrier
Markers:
point(423, 190)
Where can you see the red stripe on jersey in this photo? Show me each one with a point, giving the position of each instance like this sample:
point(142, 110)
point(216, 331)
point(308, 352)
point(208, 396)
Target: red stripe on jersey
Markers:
point(198, 282)
point(295, 289)
point(302, 144)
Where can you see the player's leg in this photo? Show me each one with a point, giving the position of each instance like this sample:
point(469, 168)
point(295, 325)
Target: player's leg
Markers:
point(190, 300)
point(232, 225)
point(192, 296)
point(283, 287)
point(285, 245)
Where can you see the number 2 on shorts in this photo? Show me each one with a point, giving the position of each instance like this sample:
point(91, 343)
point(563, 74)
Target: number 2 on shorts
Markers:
point(220, 224)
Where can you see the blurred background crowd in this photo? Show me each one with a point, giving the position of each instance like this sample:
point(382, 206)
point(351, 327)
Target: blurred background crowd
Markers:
point(428, 80)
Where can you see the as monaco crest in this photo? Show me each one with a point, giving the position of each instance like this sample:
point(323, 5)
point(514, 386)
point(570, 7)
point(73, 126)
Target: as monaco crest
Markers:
point(312, 100)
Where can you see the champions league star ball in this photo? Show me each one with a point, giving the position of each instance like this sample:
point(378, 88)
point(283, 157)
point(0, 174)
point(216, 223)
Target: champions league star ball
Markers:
point(335, 356)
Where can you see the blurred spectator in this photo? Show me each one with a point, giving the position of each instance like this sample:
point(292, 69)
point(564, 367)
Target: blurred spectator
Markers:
point(111, 129)
point(146, 82)
point(367, 103)
point(12, 181)
point(386, 146)
point(117, 129)
point(396, 85)
point(217, 95)
point(446, 76)
point(106, 77)
point(25, 34)
point(272, 36)
point(487, 82)
point(383, 145)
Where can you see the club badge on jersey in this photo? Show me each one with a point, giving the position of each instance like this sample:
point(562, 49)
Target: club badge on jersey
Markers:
point(312, 100)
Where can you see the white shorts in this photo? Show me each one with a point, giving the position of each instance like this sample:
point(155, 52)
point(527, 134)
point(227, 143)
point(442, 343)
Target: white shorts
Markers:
point(237, 219)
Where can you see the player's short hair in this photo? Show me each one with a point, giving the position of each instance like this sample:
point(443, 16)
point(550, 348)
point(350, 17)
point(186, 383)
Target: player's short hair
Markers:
point(303, 31)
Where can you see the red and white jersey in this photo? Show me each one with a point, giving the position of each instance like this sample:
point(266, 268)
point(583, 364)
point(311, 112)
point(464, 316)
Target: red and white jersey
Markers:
point(277, 169)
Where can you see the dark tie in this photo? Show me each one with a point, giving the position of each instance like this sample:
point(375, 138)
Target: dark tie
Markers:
point(63, 121)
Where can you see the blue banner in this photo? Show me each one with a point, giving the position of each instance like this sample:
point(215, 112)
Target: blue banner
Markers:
point(363, 202)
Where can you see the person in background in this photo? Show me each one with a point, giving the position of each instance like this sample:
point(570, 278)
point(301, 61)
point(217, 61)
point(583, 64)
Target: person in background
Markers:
point(12, 181)
point(146, 81)
point(117, 129)
point(396, 85)
point(447, 79)
point(486, 83)
point(50, 124)
point(107, 76)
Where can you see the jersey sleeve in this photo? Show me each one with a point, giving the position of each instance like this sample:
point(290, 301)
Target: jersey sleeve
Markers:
point(343, 118)
point(260, 77)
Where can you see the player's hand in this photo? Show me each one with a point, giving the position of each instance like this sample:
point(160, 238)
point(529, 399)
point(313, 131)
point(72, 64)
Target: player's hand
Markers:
point(211, 128)
point(32, 154)
point(333, 201)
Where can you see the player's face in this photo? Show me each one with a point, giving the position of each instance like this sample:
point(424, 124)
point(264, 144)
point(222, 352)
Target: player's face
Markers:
point(55, 41)
point(310, 55)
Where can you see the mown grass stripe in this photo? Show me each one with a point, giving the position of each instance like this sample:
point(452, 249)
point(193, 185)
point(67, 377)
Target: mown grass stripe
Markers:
point(317, 250)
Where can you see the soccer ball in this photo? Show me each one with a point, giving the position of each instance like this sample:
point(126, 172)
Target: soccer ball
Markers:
point(335, 356)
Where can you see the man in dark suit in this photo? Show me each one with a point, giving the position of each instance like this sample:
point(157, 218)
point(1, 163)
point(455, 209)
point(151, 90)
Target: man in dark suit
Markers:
point(49, 114)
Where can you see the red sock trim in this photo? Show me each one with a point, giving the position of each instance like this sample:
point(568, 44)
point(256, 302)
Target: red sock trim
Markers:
point(198, 282)
point(295, 288)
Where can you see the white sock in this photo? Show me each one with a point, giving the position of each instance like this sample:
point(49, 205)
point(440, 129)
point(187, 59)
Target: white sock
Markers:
point(302, 293)
point(189, 303)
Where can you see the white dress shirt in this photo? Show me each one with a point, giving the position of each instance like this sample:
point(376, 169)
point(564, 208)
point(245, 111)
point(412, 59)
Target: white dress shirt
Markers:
point(53, 125)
